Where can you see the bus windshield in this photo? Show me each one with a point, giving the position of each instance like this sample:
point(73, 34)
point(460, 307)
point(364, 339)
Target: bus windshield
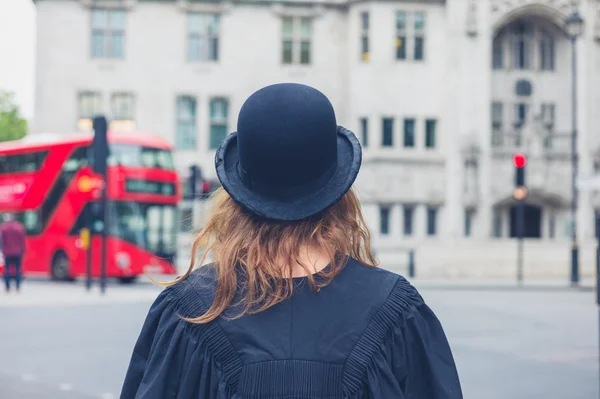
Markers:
point(149, 226)
point(136, 156)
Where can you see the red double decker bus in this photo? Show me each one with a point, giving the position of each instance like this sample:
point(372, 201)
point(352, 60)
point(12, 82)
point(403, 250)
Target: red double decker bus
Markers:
point(48, 183)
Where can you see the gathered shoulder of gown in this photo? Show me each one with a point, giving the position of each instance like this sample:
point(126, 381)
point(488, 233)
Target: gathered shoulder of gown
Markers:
point(368, 334)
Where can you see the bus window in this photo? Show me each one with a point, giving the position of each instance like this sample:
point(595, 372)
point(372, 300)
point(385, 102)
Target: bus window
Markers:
point(77, 160)
point(136, 156)
point(29, 162)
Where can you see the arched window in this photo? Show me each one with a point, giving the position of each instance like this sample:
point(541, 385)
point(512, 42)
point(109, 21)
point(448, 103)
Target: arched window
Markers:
point(521, 45)
point(546, 51)
point(498, 53)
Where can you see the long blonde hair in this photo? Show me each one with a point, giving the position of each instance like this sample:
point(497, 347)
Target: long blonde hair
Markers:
point(248, 252)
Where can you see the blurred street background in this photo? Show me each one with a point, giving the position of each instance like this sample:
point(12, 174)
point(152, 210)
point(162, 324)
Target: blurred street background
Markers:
point(480, 179)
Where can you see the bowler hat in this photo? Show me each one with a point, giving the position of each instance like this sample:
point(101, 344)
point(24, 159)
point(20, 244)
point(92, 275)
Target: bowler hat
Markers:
point(288, 159)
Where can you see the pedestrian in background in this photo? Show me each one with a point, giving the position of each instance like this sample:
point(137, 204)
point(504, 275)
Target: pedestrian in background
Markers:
point(12, 246)
point(294, 305)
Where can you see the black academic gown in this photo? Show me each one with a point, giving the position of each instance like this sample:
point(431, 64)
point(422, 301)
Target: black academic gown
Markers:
point(368, 334)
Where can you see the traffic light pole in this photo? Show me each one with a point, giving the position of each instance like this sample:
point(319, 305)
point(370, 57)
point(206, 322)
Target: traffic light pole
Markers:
point(574, 160)
point(100, 152)
point(103, 236)
point(520, 228)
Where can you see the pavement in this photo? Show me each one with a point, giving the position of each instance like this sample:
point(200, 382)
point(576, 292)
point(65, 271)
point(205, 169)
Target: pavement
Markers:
point(509, 341)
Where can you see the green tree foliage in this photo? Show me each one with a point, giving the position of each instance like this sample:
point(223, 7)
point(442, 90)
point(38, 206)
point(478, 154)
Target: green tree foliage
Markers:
point(12, 125)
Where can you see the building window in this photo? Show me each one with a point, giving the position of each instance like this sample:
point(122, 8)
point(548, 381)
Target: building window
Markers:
point(497, 224)
point(419, 22)
point(364, 36)
point(122, 108)
point(203, 36)
point(364, 130)
point(497, 121)
point(401, 35)
point(430, 128)
point(219, 111)
point(409, 133)
point(387, 138)
point(108, 33)
point(296, 40)
point(520, 115)
point(547, 115)
point(384, 220)
point(469, 216)
point(431, 220)
point(185, 136)
point(521, 51)
point(408, 213)
point(498, 53)
point(546, 52)
point(90, 105)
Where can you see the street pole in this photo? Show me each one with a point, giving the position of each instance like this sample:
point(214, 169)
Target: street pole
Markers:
point(574, 160)
point(103, 235)
point(598, 277)
point(520, 228)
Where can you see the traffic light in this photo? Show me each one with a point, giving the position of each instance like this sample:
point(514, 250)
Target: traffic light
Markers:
point(195, 177)
point(100, 149)
point(520, 192)
point(519, 161)
point(208, 187)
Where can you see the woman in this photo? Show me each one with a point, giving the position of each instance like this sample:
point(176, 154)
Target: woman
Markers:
point(293, 306)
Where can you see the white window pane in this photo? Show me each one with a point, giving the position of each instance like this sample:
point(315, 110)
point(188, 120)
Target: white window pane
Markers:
point(193, 48)
point(419, 21)
point(116, 45)
point(99, 19)
point(401, 20)
point(213, 49)
point(213, 24)
point(305, 27)
point(116, 19)
point(98, 42)
point(218, 110)
point(288, 27)
point(195, 22)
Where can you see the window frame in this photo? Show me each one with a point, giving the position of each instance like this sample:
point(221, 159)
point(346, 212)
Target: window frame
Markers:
point(364, 23)
point(408, 214)
point(414, 132)
point(432, 213)
point(430, 134)
point(384, 142)
point(384, 224)
point(297, 38)
point(364, 131)
point(203, 37)
point(401, 36)
point(547, 48)
point(213, 143)
point(182, 143)
point(84, 119)
point(108, 32)
point(419, 33)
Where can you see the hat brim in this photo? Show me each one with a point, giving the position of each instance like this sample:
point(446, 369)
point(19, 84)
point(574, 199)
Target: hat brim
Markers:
point(349, 161)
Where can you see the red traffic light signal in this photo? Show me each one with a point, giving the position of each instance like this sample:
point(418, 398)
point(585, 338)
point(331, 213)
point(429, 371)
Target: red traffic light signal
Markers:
point(519, 160)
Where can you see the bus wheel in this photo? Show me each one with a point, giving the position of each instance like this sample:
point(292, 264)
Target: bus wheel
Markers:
point(60, 267)
point(127, 280)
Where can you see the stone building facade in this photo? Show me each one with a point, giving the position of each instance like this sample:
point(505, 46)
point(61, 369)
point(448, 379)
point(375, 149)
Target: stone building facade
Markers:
point(441, 94)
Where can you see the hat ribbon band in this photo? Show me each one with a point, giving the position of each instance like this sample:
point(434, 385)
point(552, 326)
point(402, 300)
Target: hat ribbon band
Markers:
point(270, 189)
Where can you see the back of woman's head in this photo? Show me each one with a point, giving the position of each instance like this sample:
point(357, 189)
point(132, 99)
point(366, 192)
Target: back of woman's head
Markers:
point(287, 175)
point(254, 257)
